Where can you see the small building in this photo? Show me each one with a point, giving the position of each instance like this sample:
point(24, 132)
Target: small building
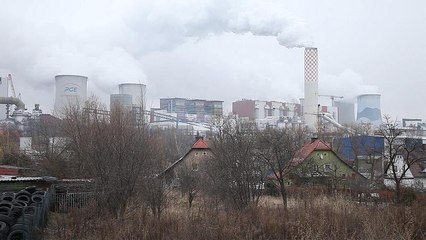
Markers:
point(13, 183)
point(199, 152)
point(317, 163)
point(412, 175)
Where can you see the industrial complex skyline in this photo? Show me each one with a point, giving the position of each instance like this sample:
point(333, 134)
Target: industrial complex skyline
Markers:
point(218, 50)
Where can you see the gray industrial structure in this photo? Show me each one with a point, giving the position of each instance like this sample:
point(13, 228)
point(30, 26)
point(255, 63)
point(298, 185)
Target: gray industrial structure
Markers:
point(268, 113)
point(195, 109)
point(346, 112)
point(3, 93)
point(137, 91)
point(121, 100)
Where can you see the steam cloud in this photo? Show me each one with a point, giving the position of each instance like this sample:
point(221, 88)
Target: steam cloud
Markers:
point(105, 40)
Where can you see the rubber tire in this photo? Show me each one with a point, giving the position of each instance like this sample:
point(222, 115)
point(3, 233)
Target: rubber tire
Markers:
point(4, 230)
point(5, 211)
point(20, 226)
point(6, 219)
point(25, 220)
point(6, 204)
point(4, 226)
point(22, 192)
point(36, 198)
point(19, 203)
point(19, 234)
point(8, 197)
point(16, 212)
point(23, 198)
point(39, 193)
point(31, 189)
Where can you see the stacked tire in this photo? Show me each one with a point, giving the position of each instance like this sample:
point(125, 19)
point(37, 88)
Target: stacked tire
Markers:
point(21, 213)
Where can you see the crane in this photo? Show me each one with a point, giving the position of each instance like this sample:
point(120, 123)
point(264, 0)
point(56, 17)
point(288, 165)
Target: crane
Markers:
point(332, 97)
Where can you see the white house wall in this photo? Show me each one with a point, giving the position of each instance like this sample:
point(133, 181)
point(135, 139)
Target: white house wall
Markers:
point(408, 180)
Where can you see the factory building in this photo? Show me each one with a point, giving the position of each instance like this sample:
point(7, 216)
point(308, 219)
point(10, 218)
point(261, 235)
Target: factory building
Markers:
point(268, 113)
point(192, 109)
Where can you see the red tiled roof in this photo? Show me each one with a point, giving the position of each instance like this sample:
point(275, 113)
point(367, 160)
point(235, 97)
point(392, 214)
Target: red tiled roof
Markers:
point(8, 171)
point(200, 144)
point(306, 150)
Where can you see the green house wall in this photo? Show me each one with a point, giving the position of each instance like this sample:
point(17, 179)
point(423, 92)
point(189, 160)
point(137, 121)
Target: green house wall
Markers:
point(317, 160)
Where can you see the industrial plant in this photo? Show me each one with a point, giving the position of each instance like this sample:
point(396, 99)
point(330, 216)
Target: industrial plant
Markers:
point(193, 115)
point(104, 139)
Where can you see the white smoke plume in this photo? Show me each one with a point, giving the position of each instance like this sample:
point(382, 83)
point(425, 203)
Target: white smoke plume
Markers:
point(348, 84)
point(105, 40)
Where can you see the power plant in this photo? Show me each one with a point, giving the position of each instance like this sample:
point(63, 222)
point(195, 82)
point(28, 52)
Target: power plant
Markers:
point(71, 90)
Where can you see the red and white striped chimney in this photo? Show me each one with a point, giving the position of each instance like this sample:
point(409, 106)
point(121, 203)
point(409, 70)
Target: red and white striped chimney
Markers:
point(310, 106)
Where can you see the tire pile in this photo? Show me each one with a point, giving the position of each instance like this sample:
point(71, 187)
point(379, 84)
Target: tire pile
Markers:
point(22, 213)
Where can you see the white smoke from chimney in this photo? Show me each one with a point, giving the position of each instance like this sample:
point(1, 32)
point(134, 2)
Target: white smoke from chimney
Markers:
point(106, 41)
point(263, 19)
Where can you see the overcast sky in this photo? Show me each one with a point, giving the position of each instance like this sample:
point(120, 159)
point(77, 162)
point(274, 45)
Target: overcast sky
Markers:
point(222, 50)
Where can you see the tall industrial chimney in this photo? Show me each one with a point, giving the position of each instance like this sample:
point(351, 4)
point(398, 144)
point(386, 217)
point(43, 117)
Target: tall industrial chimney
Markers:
point(310, 108)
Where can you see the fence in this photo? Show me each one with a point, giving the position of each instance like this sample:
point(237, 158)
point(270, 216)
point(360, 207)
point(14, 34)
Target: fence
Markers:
point(66, 201)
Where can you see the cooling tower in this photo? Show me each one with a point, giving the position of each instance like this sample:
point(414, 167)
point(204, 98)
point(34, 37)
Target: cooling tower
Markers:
point(121, 100)
point(310, 108)
point(369, 109)
point(71, 90)
point(136, 90)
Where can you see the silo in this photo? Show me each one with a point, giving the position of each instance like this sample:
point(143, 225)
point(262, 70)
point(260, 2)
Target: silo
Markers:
point(136, 90)
point(346, 112)
point(368, 110)
point(3, 93)
point(121, 100)
point(310, 106)
point(71, 90)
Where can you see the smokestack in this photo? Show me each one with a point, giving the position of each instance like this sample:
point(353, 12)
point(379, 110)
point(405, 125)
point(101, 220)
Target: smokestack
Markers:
point(311, 87)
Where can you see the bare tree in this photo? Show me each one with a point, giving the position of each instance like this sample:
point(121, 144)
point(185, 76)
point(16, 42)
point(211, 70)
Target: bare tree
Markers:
point(235, 175)
point(400, 153)
point(189, 181)
point(276, 147)
point(154, 188)
point(109, 148)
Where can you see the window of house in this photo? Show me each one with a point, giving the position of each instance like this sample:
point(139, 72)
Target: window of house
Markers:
point(194, 166)
point(327, 168)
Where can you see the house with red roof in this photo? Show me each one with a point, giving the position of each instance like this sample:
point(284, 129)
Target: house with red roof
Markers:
point(199, 152)
point(317, 163)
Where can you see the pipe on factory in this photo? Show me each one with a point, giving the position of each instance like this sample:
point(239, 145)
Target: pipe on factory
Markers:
point(12, 100)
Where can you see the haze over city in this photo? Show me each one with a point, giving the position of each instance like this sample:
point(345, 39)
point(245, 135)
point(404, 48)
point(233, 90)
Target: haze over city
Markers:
point(224, 50)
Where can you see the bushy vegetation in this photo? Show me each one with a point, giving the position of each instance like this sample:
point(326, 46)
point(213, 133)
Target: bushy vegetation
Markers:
point(311, 217)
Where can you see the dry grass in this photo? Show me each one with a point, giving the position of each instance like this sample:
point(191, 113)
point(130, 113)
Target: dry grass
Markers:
point(316, 217)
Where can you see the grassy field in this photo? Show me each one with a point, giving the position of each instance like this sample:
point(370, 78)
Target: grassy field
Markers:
point(311, 217)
